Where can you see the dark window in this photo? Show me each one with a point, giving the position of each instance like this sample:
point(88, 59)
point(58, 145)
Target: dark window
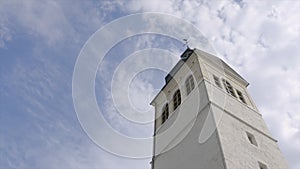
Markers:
point(189, 84)
point(241, 97)
point(262, 166)
point(176, 99)
point(251, 138)
point(217, 81)
point(165, 113)
point(228, 87)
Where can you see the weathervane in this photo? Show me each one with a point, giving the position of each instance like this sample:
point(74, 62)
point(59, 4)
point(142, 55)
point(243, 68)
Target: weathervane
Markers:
point(186, 42)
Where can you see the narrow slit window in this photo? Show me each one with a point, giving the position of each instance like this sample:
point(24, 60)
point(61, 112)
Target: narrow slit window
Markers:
point(228, 87)
point(241, 97)
point(165, 113)
point(251, 138)
point(217, 81)
point(262, 165)
point(176, 99)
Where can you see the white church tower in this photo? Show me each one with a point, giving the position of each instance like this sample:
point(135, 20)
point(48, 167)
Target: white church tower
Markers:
point(206, 119)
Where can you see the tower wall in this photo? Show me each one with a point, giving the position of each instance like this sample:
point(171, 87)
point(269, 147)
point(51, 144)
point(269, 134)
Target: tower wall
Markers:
point(213, 128)
point(239, 152)
point(187, 151)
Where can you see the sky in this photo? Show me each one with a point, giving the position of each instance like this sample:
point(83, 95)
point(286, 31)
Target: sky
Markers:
point(42, 41)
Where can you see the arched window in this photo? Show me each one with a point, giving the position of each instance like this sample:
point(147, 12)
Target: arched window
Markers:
point(189, 84)
point(176, 99)
point(165, 113)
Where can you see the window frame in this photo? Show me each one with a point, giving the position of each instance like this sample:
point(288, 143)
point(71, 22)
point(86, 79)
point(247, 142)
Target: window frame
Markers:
point(229, 88)
point(240, 96)
point(217, 81)
point(165, 113)
point(251, 138)
point(176, 99)
point(189, 84)
point(262, 165)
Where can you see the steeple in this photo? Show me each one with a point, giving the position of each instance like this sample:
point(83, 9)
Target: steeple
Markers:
point(205, 118)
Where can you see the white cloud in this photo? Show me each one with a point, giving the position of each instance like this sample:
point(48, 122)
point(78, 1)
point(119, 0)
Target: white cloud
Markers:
point(37, 17)
point(261, 40)
point(5, 35)
point(49, 21)
point(126, 92)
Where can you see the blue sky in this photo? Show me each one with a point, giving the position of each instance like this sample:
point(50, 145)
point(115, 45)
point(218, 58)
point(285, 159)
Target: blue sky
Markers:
point(41, 40)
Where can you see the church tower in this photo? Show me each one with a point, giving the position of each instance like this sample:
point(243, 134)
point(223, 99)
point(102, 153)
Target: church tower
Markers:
point(206, 119)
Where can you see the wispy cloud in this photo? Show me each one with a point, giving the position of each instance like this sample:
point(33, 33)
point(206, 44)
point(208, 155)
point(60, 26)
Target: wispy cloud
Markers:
point(122, 92)
point(259, 39)
point(51, 22)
